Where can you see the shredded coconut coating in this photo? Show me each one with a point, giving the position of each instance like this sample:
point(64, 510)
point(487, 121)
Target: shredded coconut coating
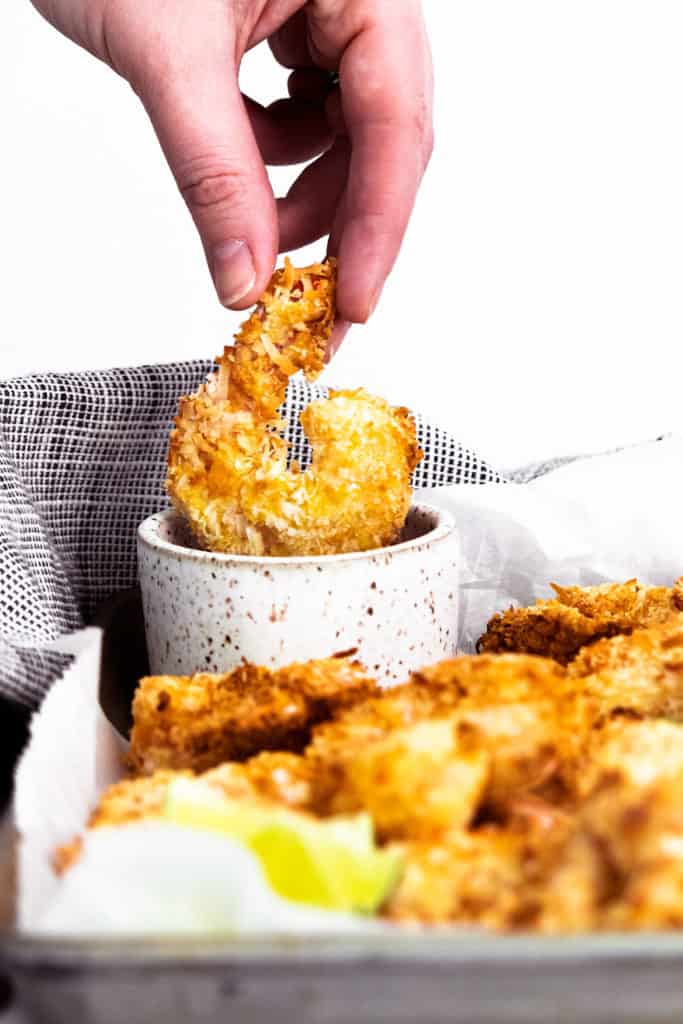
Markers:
point(227, 463)
point(579, 616)
point(523, 795)
point(499, 725)
point(492, 877)
point(276, 778)
point(198, 722)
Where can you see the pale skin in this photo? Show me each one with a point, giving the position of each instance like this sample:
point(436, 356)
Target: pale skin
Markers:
point(371, 137)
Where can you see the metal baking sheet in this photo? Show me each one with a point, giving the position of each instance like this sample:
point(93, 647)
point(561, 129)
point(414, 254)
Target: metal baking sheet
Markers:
point(433, 978)
point(430, 979)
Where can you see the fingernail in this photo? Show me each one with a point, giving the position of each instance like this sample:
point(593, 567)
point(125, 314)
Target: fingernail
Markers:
point(233, 271)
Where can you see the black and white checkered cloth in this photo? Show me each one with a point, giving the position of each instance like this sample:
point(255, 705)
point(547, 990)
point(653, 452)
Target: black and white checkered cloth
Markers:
point(82, 463)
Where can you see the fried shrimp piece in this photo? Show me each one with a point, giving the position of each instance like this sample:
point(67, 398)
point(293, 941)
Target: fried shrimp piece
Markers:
point(134, 799)
point(505, 678)
point(578, 616)
point(616, 863)
point(197, 722)
point(415, 782)
point(639, 752)
point(227, 465)
point(123, 802)
point(491, 877)
point(270, 778)
point(523, 710)
point(278, 776)
point(642, 672)
point(577, 887)
point(636, 824)
point(476, 878)
point(273, 777)
point(477, 729)
point(519, 708)
point(628, 847)
point(652, 899)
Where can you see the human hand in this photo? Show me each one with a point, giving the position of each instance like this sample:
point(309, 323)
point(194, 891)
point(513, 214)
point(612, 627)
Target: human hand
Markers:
point(372, 136)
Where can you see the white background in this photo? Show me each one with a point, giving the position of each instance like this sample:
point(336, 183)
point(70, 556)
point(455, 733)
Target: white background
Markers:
point(536, 308)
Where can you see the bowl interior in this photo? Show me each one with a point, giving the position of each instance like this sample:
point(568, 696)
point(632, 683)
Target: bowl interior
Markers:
point(420, 522)
point(174, 530)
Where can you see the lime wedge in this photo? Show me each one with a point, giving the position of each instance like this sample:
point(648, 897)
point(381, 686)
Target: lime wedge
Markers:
point(332, 863)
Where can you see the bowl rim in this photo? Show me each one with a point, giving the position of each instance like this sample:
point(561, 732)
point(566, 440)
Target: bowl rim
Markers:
point(148, 536)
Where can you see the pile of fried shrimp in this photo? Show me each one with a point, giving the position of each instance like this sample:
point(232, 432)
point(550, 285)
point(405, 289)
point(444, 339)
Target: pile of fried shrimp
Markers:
point(227, 464)
point(537, 786)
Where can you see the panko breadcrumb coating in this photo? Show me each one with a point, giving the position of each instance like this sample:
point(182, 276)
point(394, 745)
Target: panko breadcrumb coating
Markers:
point(625, 855)
point(415, 782)
point(277, 777)
point(522, 795)
point(507, 723)
point(637, 751)
point(227, 463)
point(490, 877)
point(641, 672)
point(578, 616)
point(270, 778)
point(198, 722)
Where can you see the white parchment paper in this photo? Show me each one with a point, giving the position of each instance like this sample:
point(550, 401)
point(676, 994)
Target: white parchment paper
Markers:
point(596, 520)
point(601, 519)
point(73, 754)
point(143, 879)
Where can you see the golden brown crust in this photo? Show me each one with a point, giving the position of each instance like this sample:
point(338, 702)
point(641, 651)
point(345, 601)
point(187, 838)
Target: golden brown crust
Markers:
point(634, 834)
point(523, 795)
point(270, 778)
point(414, 782)
point(227, 464)
point(514, 721)
point(279, 777)
point(578, 616)
point(124, 802)
point(641, 672)
point(491, 877)
point(287, 332)
point(635, 751)
point(199, 722)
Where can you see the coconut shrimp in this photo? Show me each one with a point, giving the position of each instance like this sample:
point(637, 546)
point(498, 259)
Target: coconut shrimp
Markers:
point(227, 466)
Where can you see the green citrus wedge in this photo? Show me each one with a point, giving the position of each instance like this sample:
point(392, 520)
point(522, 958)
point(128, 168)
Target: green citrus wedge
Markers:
point(331, 863)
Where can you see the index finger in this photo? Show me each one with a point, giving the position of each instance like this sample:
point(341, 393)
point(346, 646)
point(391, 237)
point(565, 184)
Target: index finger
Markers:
point(386, 92)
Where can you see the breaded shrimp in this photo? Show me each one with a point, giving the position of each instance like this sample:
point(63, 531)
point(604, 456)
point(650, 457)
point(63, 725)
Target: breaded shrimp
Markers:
point(522, 794)
point(578, 616)
point(641, 672)
point(626, 845)
point(489, 877)
point(483, 727)
point(270, 778)
point(198, 722)
point(637, 751)
point(415, 782)
point(227, 464)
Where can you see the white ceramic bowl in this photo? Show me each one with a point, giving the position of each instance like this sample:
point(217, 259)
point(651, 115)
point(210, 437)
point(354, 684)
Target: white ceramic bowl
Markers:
point(398, 606)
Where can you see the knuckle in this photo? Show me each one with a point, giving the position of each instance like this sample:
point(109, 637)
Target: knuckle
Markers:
point(213, 187)
point(152, 69)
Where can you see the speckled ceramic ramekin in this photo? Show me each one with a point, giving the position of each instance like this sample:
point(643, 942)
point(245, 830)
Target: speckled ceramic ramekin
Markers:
point(208, 612)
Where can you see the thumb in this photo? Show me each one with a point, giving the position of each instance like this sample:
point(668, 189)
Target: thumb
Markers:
point(200, 119)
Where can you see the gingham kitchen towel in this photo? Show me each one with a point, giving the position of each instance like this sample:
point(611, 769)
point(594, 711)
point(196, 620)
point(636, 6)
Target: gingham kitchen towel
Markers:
point(82, 463)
